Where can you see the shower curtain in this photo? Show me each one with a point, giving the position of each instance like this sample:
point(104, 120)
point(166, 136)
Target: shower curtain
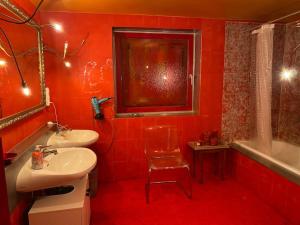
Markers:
point(264, 55)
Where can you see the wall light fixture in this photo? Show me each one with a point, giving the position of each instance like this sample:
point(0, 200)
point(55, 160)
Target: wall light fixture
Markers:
point(56, 26)
point(25, 88)
point(68, 64)
point(288, 74)
point(2, 62)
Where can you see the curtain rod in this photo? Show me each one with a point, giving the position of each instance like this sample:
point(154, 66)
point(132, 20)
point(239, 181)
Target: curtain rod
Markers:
point(275, 20)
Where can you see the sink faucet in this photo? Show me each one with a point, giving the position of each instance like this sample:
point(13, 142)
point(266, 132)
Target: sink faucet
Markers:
point(47, 150)
point(59, 128)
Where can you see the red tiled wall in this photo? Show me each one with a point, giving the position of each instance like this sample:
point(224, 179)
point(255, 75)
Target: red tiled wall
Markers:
point(92, 75)
point(274, 189)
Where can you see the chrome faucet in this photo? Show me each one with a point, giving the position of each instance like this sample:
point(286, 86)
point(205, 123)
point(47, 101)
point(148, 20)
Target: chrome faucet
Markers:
point(61, 129)
point(47, 150)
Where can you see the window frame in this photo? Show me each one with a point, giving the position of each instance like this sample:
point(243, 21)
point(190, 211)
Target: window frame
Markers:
point(195, 71)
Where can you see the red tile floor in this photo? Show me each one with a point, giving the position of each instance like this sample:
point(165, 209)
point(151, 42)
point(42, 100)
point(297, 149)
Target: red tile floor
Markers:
point(214, 203)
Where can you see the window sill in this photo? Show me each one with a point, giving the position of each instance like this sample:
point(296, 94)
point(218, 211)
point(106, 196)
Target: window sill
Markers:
point(148, 114)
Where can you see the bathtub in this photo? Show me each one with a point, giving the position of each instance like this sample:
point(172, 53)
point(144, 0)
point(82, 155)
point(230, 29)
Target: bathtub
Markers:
point(284, 158)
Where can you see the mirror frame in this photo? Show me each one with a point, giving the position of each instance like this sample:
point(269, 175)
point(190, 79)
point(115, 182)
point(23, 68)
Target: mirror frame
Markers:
point(11, 119)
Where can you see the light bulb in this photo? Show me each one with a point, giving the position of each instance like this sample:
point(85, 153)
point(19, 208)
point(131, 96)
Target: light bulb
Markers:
point(287, 74)
point(67, 64)
point(2, 62)
point(57, 27)
point(25, 89)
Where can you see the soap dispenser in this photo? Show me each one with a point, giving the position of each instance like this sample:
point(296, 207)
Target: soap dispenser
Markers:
point(37, 159)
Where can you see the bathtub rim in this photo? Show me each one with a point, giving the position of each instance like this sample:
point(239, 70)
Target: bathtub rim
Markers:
point(281, 168)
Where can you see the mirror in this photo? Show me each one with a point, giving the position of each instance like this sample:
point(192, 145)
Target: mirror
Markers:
point(16, 102)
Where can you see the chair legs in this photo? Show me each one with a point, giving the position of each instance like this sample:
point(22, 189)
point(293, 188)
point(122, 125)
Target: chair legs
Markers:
point(190, 183)
point(147, 188)
point(187, 193)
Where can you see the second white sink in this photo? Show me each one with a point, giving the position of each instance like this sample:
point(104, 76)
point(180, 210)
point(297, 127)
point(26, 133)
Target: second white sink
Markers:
point(69, 164)
point(73, 138)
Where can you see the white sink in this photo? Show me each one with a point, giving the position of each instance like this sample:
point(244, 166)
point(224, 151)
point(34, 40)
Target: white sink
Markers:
point(73, 138)
point(69, 164)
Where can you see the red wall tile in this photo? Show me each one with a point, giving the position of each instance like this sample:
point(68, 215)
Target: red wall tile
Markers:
point(278, 192)
point(92, 75)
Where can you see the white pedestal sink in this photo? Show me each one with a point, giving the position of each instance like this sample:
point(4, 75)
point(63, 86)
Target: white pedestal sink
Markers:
point(69, 164)
point(73, 138)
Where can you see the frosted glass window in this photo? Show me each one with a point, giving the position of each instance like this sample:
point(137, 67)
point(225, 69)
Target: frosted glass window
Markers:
point(154, 71)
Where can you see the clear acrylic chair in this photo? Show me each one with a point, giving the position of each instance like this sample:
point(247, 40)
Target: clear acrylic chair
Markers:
point(163, 153)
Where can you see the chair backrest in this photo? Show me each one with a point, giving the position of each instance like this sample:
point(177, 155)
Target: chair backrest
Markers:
point(161, 139)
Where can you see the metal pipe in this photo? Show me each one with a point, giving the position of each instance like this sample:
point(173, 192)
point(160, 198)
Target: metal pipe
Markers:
point(275, 20)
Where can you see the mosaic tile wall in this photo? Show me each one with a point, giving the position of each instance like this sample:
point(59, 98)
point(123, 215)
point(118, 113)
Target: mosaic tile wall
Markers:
point(236, 113)
point(239, 98)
